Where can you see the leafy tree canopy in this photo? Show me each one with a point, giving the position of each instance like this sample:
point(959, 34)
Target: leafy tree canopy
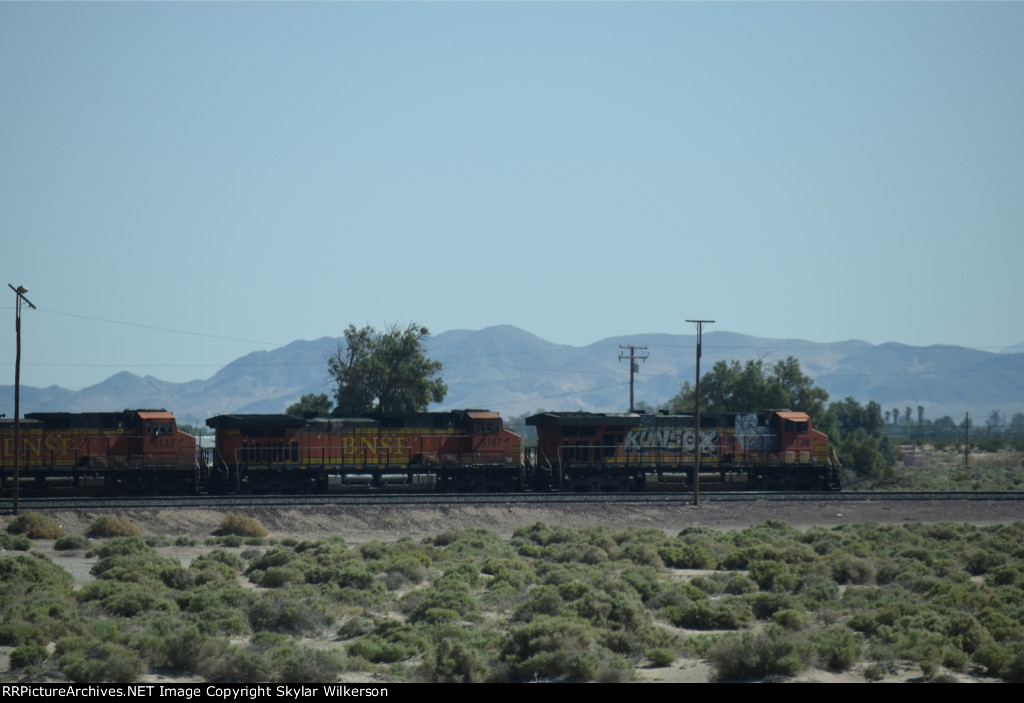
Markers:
point(384, 371)
point(732, 387)
point(311, 405)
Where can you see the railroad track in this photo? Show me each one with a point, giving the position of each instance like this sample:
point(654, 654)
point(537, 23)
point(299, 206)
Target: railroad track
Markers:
point(250, 501)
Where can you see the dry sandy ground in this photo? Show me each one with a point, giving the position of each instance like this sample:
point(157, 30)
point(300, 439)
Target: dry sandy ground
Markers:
point(364, 523)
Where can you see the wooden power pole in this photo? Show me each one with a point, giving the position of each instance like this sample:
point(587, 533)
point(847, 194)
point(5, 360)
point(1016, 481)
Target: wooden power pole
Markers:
point(633, 368)
point(696, 420)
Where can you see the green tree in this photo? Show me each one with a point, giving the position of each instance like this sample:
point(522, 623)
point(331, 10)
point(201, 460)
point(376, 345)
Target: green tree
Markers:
point(857, 432)
point(850, 416)
point(732, 387)
point(311, 405)
point(995, 420)
point(384, 371)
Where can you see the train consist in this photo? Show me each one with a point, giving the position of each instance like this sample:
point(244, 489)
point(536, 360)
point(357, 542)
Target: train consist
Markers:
point(143, 451)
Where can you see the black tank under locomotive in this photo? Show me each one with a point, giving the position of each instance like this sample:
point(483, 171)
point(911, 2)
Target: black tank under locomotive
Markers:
point(458, 450)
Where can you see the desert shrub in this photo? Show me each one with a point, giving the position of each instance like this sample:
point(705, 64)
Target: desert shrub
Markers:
point(836, 647)
point(660, 657)
point(218, 566)
point(772, 575)
point(750, 655)
point(817, 591)
point(113, 526)
point(981, 561)
point(463, 575)
point(765, 605)
point(611, 606)
point(241, 526)
point(123, 599)
point(407, 568)
point(686, 556)
point(1003, 576)
point(21, 573)
point(873, 672)
point(454, 661)
point(357, 576)
point(543, 600)
point(390, 641)
point(294, 664)
point(712, 584)
point(167, 640)
point(136, 567)
point(862, 622)
point(287, 615)
point(418, 604)
point(19, 543)
point(28, 655)
point(120, 546)
point(35, 526)
point(234, 664)
point(355, 627)
point(792, 620)
point(14, 634)
point(558, 647)
point(276, 577)
point(740, 584)
point(701, 615)
point(851, 569)
point(640, 553)
point(965, 632)
point(93, 661)
point(66, 544)
point(1013, 670)
point(278, 556)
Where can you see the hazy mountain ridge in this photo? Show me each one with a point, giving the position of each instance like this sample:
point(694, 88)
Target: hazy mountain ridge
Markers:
point(512, 371)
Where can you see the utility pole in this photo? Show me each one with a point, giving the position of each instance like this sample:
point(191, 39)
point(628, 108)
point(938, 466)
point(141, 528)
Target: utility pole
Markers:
point(696, 421)
point(20, 292)
point(633, 368)
point(967, 440)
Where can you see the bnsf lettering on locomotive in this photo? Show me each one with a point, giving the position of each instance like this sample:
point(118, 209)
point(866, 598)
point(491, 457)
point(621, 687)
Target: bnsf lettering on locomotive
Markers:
point(37, 447)
point(369, 446)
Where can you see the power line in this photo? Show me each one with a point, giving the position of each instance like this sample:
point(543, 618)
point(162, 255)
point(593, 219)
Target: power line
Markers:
point(163, 329)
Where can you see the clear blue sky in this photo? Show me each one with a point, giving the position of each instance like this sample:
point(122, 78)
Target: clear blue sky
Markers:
point(249, 174)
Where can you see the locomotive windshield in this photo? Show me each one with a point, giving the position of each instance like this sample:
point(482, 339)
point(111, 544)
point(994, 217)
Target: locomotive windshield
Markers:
point(156, 427)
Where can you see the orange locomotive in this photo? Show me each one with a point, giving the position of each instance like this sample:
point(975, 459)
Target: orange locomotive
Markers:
point(140, 450)
point(459, 450)
point(608, 452)
point(455, 450)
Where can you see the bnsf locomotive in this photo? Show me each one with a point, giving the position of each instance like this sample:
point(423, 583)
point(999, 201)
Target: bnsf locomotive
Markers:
point(455, 450)
point(460, 450)
point(135, 449)
point(616, 452)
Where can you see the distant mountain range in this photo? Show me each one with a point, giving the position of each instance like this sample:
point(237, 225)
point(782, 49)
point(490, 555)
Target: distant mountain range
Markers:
point(514, 372)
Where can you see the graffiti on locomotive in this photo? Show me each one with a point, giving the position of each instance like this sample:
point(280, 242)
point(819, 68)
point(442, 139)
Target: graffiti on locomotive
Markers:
point(669, 441)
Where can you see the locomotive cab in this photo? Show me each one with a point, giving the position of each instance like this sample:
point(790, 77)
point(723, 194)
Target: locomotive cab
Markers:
point(805, 451)
point(492, 443)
